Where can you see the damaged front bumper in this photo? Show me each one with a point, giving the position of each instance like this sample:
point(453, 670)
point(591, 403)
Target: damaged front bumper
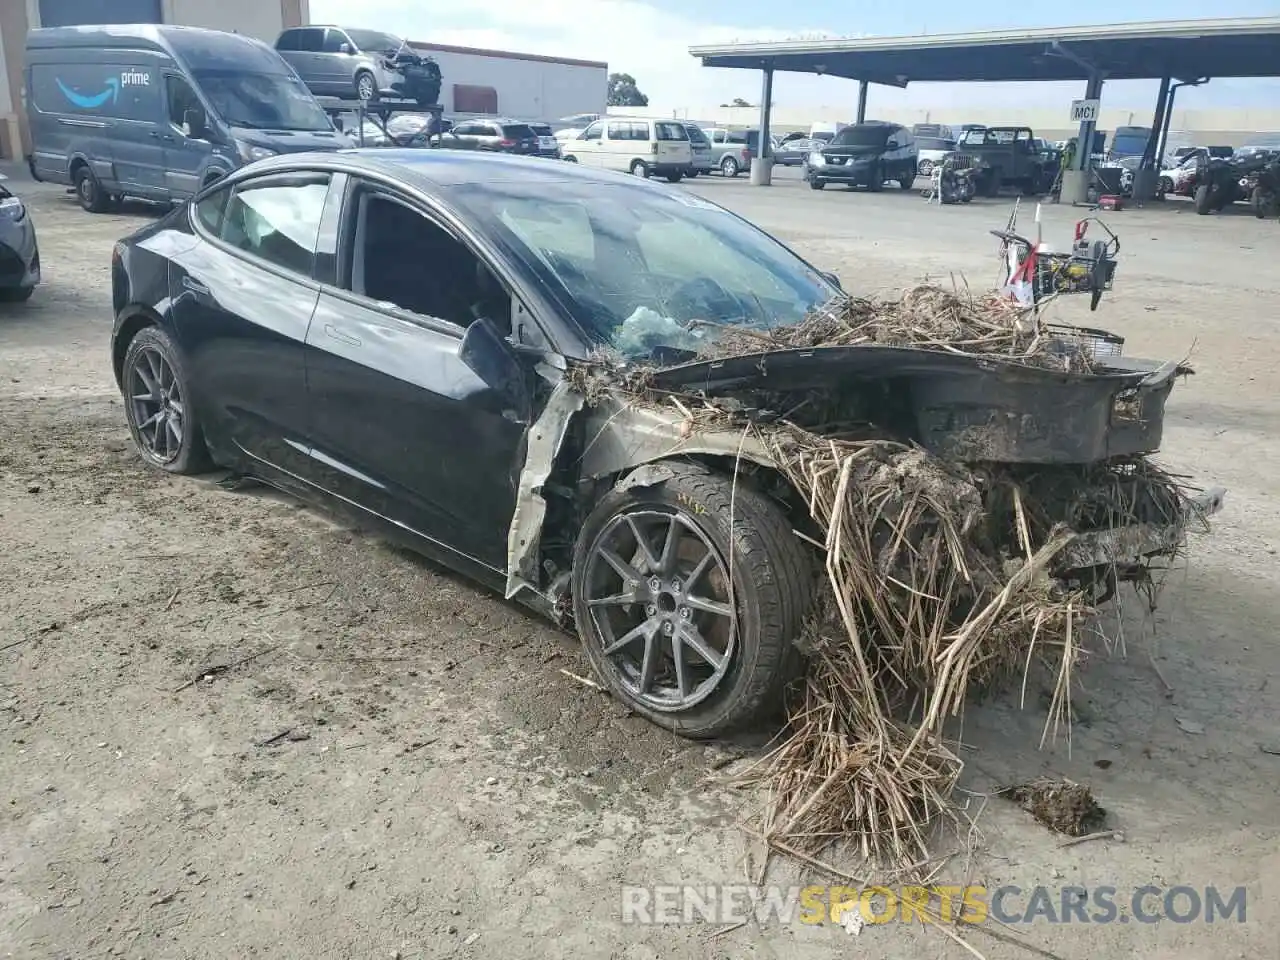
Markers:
point(1132, 543)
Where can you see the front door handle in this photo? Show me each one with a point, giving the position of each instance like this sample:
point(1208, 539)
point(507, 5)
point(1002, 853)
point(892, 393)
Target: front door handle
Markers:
point(334, 333)
point(195, 286)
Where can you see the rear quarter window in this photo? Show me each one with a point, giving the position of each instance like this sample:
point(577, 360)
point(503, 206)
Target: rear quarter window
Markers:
point(518, 131)
point(97, 90)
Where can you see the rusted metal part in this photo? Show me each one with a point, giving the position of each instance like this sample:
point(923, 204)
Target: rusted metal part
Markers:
point(1131, 543)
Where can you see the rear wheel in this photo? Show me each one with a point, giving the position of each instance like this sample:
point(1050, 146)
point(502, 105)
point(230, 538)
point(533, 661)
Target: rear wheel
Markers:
point(639, 168)
point(688, 596)
point(816, 184)
point(730, 167)
point(157, 403)
point(1163, 188)
point(16, 294)
point(89, 191)
point(675, 177)
point(907, 183)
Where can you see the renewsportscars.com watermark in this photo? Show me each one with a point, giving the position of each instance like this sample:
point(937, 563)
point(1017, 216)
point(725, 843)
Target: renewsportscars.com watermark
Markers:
point(739, 903)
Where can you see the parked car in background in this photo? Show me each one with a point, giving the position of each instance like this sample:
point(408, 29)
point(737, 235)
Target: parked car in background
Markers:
point(1179, 181)
point(350, 63)
point(639, 145)
point(794, 152)
point(930, 151)
point(730, 150)
point(548, 145)
point(157, 112)
point(703, 161)
point(866, 154)
point(19, 251)
point(496, 135)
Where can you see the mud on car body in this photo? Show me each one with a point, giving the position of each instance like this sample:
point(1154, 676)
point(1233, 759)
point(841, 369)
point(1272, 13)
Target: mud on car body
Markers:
point(401, 336)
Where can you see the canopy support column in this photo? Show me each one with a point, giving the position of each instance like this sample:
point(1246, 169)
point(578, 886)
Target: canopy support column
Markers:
point(1146, 177)
point(762, 162)
point(862, 102)
point(1075, 182)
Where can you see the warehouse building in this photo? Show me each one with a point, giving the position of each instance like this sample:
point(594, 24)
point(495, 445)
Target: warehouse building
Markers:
point(519, 85)
point(263, 19)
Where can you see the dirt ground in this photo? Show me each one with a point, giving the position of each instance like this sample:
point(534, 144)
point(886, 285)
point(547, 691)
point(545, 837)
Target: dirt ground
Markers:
point(394, 763)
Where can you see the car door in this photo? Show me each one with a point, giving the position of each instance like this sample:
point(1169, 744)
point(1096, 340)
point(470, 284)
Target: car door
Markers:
point(404, 429)
point(242, 301)
point(337, 61)
point(589, 148)
point(185, 154)
point(308, 60)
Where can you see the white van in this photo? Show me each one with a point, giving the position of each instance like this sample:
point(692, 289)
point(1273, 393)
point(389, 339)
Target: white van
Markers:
point(636, 145)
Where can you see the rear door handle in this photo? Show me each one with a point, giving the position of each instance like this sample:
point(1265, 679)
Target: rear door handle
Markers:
point(334, 333)
point(195, 286)
point(158, 136)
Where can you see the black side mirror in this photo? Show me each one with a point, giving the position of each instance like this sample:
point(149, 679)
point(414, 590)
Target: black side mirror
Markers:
point(195, 121)
point(491, 358)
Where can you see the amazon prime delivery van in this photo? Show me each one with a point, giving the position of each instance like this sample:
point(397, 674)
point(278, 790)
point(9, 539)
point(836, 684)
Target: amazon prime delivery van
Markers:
point(158, 112)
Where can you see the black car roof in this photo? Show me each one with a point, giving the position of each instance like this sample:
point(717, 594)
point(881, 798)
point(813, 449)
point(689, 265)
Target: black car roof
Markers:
point(196, 47)
point(428, 169)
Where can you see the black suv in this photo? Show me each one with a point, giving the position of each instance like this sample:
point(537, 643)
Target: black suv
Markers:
point(501, 136)
point(865, 154)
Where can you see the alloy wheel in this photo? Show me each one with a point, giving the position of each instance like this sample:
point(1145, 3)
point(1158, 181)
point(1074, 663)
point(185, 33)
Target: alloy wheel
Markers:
point(364, 87)
point(158, 407)
point(658, 591)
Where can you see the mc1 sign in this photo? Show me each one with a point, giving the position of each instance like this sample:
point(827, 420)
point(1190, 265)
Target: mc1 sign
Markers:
point(1084, 111)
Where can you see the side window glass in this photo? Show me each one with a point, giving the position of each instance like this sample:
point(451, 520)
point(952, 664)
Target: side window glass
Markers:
point(310, 40)
point(287, 40)
point(333, 39)
point(209, 211)
point(393, 241)
point(619, 130)
point(279, 223)
point(593, 132)
point(180, 98)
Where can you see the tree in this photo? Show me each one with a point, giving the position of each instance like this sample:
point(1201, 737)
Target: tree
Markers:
point(623, 91)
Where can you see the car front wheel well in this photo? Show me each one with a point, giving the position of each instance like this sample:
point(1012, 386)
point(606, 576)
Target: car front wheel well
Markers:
point(134, 321)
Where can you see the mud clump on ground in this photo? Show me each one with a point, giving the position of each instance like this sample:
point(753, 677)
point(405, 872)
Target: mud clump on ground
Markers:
point(1061, 805)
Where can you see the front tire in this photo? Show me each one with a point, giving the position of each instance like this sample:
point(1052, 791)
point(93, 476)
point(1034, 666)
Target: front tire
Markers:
point(158, 405)
point(652, 601)
point(816, 184)
point(1204, 199)
point(675, 177)
point(926, 168)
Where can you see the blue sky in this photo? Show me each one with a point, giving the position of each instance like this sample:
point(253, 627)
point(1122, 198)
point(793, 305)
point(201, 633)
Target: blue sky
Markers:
point(650, 39)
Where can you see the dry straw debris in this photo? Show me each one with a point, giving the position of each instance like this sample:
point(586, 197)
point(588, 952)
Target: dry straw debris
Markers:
point(939, 578)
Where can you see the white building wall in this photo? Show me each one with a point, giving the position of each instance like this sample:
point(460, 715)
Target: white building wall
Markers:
point(527, 89)
point(262, 19)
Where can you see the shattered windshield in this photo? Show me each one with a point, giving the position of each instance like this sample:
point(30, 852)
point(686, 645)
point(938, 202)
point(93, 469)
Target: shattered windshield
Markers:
point(643, 271)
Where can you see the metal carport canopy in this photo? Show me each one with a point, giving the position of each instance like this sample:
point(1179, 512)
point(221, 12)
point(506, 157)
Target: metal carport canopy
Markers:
point(1182, 49)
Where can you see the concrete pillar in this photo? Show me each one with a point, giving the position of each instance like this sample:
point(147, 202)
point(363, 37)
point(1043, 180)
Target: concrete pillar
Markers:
point(862, 102)
point(762, 162)
point(1075, 182)
point(1146, 177)
point(15, 139)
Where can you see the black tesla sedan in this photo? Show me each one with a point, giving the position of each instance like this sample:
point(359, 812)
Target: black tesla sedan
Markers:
point(387, 332)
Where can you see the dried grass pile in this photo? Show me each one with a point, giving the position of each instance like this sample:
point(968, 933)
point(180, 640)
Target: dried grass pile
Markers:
point(938, 579)
point(926, 316)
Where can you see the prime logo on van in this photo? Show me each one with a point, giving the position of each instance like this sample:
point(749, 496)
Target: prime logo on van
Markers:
point(127, 78)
